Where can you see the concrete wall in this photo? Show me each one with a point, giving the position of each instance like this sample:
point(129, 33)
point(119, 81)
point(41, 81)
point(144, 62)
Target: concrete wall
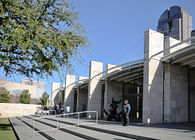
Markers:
point(14, 87)
point(55, 91)
point(176, 94)
point(69, 92)
point(82, 96)
point(82, 99)
point(113, 89)
point(95, 87)
point(153, 77)
point(175, 87)
point(14, 110)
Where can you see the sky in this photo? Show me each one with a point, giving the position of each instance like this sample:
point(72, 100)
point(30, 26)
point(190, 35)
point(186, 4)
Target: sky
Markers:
point(115, 30)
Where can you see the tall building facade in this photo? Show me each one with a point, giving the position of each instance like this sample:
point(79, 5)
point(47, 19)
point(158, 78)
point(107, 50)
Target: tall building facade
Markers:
point(40, 86)
point(175, 22)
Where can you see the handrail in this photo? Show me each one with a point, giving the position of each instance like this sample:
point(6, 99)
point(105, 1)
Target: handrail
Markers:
point(64, 114)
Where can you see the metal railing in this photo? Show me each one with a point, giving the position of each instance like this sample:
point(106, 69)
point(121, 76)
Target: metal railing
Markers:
point(63, 115)
point(45, 112)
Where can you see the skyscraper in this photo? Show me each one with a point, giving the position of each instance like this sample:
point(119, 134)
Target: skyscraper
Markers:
point(175, 22)
point(193, 35)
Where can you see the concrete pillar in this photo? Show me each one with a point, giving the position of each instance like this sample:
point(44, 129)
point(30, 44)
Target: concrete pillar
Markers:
point(54, 94)
point(113, 89)
point(110, 69)
point(69, 92)
point(169, 42)
point(175, 87)
point(95, 87)
point(153, 77)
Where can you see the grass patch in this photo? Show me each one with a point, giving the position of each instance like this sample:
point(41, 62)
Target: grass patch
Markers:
point(6, 132)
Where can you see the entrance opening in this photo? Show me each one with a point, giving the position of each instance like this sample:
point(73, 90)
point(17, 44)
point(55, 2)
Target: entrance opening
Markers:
point(134, 94)
point(75, 102)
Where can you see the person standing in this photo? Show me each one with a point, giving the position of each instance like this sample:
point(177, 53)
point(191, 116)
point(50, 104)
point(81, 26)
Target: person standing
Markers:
point(57, 109)
point(125, 112)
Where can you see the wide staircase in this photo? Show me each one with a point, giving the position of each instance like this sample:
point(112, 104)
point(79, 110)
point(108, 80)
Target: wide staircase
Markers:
point(37, 127)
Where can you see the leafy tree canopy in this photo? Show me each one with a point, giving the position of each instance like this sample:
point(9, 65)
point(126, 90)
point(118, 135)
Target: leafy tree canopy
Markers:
point(44, 98)
point(38, 36)
point(4, 95)
point(25, 97)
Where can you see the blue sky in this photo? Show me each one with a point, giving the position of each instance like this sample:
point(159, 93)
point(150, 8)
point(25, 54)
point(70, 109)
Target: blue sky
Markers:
point(116, 31)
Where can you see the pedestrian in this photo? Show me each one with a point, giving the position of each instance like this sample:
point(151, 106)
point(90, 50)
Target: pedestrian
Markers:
point(57, 109)
point(125, 112)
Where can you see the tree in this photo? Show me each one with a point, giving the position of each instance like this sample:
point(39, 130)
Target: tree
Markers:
point(4, 95)
point(44, 98)
point(25, 97)
point(38, 37)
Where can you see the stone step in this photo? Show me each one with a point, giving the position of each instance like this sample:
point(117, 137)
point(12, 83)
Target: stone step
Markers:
point(102, 130)
point(24, 132)
point(90, 134)
point(50, 131)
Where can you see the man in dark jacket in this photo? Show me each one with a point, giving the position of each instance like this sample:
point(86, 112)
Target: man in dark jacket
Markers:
point(125, 113)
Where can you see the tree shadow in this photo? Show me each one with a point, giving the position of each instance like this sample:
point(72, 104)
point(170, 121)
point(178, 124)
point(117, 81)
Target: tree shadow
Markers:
point(4, 127)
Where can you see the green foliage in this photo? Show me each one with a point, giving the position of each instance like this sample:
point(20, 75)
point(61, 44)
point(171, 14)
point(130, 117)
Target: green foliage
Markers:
point(44, 98)
point(25, 97)
point(4, 95)
point(38, 36)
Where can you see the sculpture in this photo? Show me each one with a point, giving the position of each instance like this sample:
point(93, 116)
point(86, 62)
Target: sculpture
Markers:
point(113, 111)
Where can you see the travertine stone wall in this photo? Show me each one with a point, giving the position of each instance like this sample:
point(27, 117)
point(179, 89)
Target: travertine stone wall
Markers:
point(175, 87)
point(192, 95)
point(55, 87)
point(14, 110)
point(82, 96)
point(82, 99)
point(113, 89)
point(153, 77)
point(95, 87)
point(176, 94)
point(69, 92)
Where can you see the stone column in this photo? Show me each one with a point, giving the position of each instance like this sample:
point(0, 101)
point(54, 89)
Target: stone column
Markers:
point(95, 87)
point(153, 77)
point(175, 87)
point(54, 95)
point(69, 92)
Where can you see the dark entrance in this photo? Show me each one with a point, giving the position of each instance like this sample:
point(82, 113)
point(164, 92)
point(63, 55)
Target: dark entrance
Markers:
point(133, 92)
point(75, 102)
